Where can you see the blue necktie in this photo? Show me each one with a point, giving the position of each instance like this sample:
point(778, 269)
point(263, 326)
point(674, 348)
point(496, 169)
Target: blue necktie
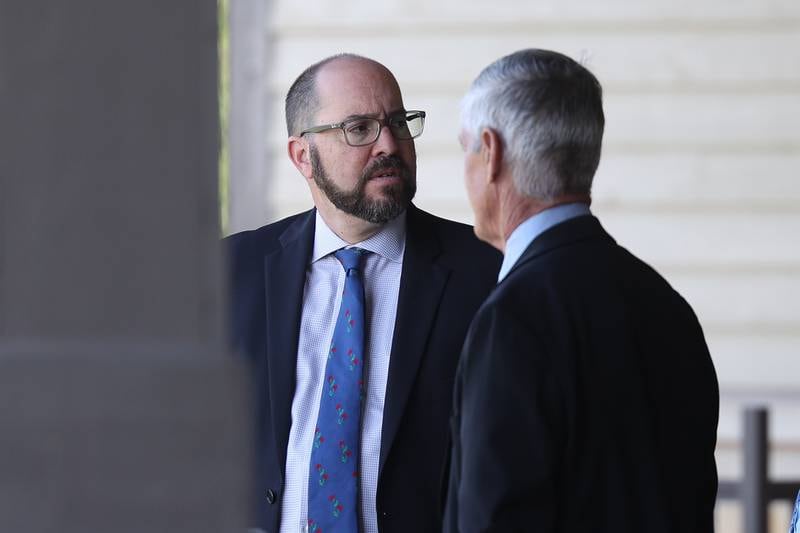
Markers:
point(333, 474)
point(794, 526)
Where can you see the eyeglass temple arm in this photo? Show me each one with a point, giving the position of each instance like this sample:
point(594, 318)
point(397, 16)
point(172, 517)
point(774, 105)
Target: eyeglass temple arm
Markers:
point(324, 127)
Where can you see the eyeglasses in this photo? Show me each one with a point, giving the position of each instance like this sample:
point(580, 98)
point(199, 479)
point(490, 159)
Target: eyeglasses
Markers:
point(363, 130)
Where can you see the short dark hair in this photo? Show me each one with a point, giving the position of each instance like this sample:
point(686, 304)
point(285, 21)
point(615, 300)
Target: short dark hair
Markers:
point(302, 99)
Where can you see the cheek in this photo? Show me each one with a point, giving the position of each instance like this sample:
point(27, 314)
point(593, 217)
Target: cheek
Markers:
point(471, 193)
point(345, 167)
point(471, 180)
point(410, 156)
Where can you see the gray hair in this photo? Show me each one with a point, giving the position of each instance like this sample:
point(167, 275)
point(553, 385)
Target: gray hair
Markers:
point(548, 112)
point(301, 100)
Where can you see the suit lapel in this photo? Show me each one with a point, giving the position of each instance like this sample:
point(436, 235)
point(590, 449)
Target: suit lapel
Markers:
point(421, 286)
point(285, 275)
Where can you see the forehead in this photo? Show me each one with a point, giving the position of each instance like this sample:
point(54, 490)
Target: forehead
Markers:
point(355, 87)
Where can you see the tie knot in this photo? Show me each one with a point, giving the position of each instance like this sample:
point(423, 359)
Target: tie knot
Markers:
point(350, 258)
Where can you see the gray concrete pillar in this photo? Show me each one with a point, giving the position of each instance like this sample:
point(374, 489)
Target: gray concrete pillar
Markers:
point(119, 409)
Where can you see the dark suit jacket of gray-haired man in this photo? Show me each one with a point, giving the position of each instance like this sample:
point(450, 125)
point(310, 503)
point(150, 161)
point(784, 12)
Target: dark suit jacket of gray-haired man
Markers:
point(586, 399)
point(351, 138)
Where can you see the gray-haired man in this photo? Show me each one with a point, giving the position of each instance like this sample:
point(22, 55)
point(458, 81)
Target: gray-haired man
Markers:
point(586, 399)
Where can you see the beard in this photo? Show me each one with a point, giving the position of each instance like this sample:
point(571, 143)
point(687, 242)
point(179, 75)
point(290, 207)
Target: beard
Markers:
point(397, 197)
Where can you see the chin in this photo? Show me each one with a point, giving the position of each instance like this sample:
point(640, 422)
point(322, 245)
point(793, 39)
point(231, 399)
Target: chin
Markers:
point(383, 189)
point(396, 191)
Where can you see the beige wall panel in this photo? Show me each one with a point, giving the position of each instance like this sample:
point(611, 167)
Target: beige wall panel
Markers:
point(738, 181)
point(391, 15)
point(739, 59)
point(733, 302)
point(747, 362)
point(696, 240)
point(703, 121)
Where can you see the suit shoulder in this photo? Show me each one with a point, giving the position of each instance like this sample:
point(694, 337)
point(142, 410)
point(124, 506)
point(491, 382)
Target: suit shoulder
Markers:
point(260, 240)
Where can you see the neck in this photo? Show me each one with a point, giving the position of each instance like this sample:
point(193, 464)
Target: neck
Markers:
point(349, 228)
point(517, 209)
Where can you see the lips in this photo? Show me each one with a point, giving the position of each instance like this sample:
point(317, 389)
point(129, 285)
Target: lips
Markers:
point(389, 173)
point(390, 167)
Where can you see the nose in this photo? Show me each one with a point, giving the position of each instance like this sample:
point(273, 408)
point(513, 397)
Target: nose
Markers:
point(386, 143)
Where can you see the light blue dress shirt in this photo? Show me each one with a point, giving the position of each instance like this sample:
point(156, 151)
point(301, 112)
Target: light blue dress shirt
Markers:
point(523, 235)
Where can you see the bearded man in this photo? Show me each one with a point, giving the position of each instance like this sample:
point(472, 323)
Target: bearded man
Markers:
point(352, 316)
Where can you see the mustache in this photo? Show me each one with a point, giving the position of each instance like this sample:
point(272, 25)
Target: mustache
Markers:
point(386, 162)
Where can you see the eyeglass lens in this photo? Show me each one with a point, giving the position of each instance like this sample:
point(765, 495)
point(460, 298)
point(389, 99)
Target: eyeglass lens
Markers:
point(366, 130)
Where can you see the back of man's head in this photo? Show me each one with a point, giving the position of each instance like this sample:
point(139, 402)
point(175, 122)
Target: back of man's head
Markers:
point(548, 111)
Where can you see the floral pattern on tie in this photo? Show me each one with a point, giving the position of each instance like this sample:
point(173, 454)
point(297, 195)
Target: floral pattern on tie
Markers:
point(333, 482)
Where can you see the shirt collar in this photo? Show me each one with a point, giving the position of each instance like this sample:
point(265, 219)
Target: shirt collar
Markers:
point(525, 233)
point(389, 242)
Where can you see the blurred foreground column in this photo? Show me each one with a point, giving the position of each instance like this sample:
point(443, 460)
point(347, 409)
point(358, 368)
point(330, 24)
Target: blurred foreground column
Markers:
point(119, 409)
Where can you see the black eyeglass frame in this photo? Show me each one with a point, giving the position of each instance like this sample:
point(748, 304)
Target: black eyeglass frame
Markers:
point(407, 116)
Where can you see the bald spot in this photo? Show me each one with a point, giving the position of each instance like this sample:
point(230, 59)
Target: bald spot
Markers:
point(354, 86)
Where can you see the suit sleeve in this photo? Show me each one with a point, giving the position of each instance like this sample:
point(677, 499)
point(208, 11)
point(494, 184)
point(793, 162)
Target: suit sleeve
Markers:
point(511, 427)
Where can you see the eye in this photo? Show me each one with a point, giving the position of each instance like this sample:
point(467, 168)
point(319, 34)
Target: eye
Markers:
point(358, 127)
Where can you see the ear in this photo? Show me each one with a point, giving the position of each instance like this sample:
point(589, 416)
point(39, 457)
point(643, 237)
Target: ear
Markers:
point(298, 150)
point(491, 153)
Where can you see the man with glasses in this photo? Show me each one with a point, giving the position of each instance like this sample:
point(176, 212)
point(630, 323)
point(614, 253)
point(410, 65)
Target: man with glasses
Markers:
point(353, 315)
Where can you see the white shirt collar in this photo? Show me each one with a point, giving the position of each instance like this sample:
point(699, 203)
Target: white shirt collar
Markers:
point(389, 242)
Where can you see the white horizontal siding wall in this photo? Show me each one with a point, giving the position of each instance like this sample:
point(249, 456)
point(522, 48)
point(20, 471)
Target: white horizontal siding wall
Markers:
point(700, 171)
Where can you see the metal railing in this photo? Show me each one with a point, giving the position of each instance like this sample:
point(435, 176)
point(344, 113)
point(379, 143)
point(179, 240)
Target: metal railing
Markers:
point(755, 490)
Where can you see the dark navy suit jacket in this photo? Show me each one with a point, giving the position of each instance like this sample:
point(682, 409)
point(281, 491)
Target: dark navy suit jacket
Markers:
point(586, 400)
point(446, 274)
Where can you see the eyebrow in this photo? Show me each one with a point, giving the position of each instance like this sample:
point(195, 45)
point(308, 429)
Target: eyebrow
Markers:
point(373, 115)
